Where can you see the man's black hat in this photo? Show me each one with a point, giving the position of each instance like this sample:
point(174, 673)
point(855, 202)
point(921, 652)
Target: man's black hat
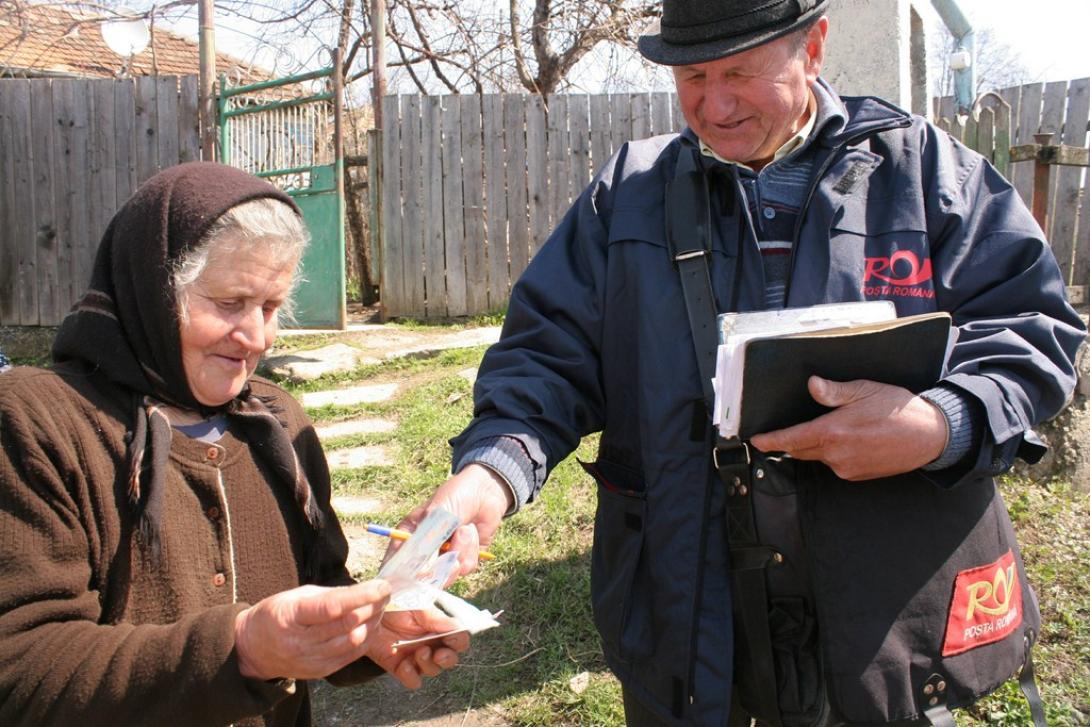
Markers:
point(697, 31)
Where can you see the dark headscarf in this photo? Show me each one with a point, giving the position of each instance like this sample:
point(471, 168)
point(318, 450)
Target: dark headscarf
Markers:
point(126, 326)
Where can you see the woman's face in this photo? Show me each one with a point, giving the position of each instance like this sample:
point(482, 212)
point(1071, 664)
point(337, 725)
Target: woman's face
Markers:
point(232, 320)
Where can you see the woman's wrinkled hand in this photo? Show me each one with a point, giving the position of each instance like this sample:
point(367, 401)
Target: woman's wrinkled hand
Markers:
point(308, 632)
point(410, 663)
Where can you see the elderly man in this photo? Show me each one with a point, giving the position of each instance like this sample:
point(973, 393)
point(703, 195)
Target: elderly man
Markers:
point(813, 199)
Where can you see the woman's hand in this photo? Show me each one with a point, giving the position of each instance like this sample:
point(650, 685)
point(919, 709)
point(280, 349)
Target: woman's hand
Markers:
point(308, 632)
point(408, 664)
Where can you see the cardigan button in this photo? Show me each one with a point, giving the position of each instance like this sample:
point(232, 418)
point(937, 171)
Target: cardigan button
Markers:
point(218, 580)
point(213, 512)
point(213, 453)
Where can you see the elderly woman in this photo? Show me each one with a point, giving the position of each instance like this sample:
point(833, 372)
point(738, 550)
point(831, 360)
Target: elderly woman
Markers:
point(168, 554)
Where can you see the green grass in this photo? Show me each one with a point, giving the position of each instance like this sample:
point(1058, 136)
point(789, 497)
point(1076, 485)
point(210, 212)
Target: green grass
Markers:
point(524, 669)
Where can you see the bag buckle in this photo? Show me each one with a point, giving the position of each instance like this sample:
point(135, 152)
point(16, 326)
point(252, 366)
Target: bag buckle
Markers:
point(732, 450)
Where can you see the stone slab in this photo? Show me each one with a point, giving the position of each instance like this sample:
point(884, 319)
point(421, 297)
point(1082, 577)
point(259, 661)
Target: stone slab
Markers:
point(352, 427)
point(347, 505)
point(367, 394)
point(309, 365)
point(356, 457)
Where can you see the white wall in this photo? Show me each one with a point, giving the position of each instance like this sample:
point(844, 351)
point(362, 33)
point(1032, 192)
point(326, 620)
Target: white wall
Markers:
point(871, 50)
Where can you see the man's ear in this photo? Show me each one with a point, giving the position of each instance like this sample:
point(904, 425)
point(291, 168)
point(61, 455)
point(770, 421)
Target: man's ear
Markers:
point(815, 48)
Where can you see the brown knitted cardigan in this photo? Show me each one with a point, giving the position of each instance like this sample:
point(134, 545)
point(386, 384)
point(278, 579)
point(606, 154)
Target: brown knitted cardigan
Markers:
point(127, 551)
point(90, 632)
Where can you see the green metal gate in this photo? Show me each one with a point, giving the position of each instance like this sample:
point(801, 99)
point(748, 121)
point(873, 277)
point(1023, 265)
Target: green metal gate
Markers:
point(288, 141)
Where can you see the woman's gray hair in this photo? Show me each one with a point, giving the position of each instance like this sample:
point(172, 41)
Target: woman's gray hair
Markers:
point(267, 224)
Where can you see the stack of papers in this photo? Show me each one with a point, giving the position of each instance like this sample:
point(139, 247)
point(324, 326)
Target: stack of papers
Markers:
point(418, 575)
point(737, 329)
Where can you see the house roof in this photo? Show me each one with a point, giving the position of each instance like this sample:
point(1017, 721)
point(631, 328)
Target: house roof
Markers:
point(38, 40)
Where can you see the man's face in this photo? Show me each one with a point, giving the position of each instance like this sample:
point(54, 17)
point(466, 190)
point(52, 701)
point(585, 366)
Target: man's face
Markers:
point(745, 106)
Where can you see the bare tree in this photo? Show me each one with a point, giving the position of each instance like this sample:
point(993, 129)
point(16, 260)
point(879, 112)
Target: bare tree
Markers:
point(997, 64)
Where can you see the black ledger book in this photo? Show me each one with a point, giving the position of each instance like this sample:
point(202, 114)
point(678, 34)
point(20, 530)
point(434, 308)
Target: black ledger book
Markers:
point(909, 352)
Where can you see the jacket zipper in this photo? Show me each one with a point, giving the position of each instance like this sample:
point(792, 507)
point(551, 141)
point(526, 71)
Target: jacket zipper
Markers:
point(709, 479)
point(694, 632)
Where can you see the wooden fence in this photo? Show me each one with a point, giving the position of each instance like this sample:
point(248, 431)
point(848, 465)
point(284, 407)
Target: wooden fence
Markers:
point(469, 187)
point(472, 186)
point(1011, 117)
point(71, 152)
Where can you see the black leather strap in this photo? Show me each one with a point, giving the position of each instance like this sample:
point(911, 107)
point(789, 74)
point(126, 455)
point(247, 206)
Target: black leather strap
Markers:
point(1028, 684)
point(688, 234)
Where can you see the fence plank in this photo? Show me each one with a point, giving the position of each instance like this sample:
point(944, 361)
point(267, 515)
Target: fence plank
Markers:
point(27, 277)
point(145, 129)
point(946, 112)
point(1081, 270)
point(9, 213)
point(453, 207)
point(518, 234)
point(411, 183)
point(579, 127)
point(393, 273)
point(166, 119)
point(1002, 142)
point(601, 144)
point(620, 117)
point(1029, 120)
point(499, 277)
point(124, 139)
point(985, 134)
point(476, 262)
point(78, 207)
point(641, 115)
point(189, 125)
point(374, 203)
point(559, 175)
point(679, 116)
point(1052, 112)
point(537, 172)
point(435, 284)
point(103, 152)
point(661, 118)
point(50, 113)
point(1068, 179)
point(969, 133)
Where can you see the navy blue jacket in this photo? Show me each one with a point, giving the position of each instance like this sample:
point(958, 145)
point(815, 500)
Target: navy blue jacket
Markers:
point(596, 339)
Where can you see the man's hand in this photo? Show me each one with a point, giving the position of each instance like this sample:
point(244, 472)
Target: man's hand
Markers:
point(480, 498)
point(409, 663)
point(308, 632)
point(876, 430)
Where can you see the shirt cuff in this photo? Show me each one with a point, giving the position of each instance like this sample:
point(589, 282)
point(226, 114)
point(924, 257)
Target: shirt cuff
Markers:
point(507, 457)
point(962, 424)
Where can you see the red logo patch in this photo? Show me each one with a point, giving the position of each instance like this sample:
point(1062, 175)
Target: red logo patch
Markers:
point(898, 276)
point(987, 606)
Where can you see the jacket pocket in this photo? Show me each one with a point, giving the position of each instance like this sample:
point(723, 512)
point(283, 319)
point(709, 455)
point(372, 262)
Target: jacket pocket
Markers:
point(621, 609)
